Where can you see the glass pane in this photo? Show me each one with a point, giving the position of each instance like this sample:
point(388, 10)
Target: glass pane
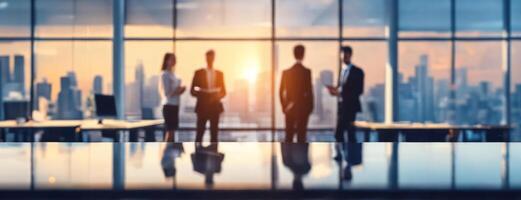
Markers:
point(224, 18)
point(424, 18)
point(514, 162)
point(425, 166)
point(72, 166)
point(141, 76)
point(515, 99)
point(424, 81)
point(515, 13)
point(372, 58)
point(74, 18)
point(479, 17)
point(15, 60)
point(306, 18)
point(15, 18)
point(479, 83)
point(364, 18)
point(322, 59)
point(149, 18)
point(67, 73)
point(485, 160)
point(247, 78)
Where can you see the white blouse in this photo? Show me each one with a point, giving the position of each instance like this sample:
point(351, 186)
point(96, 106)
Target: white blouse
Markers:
point(168, 84)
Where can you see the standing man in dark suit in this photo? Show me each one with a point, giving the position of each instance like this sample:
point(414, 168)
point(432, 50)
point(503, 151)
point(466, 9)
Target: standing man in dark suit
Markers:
point(296, 97)
point(208, 88)
point(350, 88)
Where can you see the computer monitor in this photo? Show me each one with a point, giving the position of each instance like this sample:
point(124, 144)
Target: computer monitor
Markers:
point(16, 109)
point(105, 106)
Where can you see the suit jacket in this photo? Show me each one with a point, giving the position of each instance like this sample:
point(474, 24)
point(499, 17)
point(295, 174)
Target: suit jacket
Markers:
point(208, 103)
point(296, 88)
point(352, 89)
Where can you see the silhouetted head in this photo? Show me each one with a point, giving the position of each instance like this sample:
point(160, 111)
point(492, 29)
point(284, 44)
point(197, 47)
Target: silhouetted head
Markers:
point(210, 58)
point(347, 53)
point(169, 62)
point(298, 52)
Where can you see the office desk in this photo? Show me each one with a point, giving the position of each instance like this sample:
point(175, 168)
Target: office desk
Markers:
point(64, 130)
point(420, 132)
point(73, 130)
point(119, 129)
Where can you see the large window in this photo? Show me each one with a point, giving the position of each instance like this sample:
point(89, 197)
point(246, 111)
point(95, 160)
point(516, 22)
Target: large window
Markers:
point(71, 51)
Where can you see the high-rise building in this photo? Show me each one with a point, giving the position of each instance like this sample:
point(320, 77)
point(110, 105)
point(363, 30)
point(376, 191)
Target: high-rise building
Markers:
point(43, 90)
point(326, 76)
point(19, 73)
point(69, 98)
point(97, 85)
point(424, 95)
point(140, 83)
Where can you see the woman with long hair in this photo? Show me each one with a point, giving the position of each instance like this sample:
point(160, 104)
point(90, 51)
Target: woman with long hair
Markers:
point(171, 91)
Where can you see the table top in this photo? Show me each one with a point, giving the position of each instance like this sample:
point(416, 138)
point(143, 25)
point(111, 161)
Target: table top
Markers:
point(89, 124)
point(261, 166)
point(424, 126)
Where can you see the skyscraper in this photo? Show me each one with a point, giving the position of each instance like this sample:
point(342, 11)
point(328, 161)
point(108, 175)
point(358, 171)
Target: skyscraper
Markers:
point(69, 98)
point(326, 76)
point(97, 85)
point(140, 83)
point(43, 90)
point(19, 73)
point(424, 91)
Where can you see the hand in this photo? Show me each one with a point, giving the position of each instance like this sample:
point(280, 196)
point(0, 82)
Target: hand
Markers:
point(333, 90)
point(180, 90)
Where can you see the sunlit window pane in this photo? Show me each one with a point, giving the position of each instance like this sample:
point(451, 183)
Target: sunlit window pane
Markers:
point(371, 57)
point(479, 83)
point(69, 70)
point(322, 59)
point(15, 18)
point(424, 81)
point(247, 79)
point(74, 18)
point(15, 69)
point(306, 18)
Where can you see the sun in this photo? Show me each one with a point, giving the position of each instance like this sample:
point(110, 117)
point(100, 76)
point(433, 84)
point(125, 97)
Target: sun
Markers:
point(251, 71)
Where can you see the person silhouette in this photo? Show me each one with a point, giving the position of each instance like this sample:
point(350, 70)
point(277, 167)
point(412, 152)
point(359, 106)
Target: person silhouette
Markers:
point(296, 97)
point(208, 87)
point(295, 156)
point(207, 161)
point(348, 91)
point(171, 152)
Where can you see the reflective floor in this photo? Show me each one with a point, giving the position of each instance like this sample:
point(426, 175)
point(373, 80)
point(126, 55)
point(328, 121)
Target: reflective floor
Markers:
point(260, 166)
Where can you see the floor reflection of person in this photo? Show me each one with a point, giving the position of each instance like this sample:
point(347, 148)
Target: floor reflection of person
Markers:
point(207, 160)
point(352, 153)
point(171, 152)
point(295, 156)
